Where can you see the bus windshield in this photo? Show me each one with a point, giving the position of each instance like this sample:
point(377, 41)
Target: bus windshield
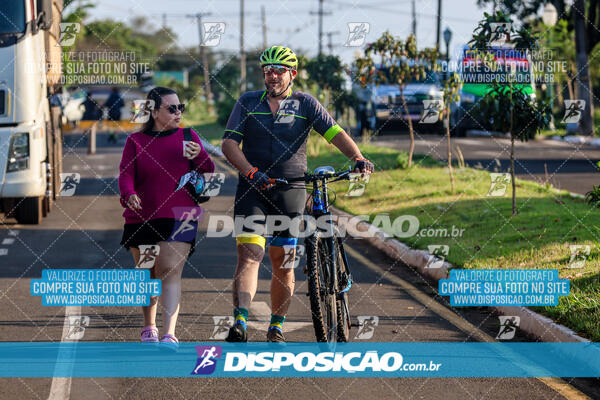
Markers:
point(12, 16)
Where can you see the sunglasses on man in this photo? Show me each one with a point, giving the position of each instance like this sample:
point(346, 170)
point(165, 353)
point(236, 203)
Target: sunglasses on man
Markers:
point(277, 69)
point(174, 107)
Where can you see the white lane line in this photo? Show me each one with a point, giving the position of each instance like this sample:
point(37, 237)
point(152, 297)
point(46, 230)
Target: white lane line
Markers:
point(8, 241)
point(3, 252)
point(61, 382)
point(260, 317)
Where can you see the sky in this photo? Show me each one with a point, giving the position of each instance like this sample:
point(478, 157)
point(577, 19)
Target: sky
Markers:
point(293, 22)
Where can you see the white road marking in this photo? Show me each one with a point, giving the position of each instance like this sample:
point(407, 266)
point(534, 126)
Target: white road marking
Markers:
point(3, 252)
point(8, 241)
point(260, 318)
point(61, 382)
point(13, 232)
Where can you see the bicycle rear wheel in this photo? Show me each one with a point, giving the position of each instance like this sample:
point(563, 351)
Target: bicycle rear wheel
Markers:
point(323, 304)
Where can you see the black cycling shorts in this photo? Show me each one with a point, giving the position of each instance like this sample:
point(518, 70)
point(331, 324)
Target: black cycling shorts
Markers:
point(287, 201)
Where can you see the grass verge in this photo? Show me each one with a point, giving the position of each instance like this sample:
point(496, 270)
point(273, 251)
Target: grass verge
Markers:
point(481, 231)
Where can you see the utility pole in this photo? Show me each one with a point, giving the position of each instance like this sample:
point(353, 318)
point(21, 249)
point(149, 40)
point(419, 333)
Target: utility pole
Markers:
point(320, 27)
point(207, 90)
point(164, 21)
point(264, 26)
point(329, 41)
point(320, 13)
point(242, 52)
point(439, 25)
point(586, 123)
point(414, 19)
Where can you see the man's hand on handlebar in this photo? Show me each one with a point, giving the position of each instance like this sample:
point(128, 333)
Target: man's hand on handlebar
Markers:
point(363, 166)
point(258, 179)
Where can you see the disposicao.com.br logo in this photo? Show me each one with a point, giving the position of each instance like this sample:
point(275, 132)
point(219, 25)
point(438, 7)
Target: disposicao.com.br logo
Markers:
point(350, 362)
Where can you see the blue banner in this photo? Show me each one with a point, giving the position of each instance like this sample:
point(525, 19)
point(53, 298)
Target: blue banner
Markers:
point(95, 287)
point(216, 359)
point(504, 287)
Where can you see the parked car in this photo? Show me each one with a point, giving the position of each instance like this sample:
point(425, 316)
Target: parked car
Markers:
point(380, 106)
point(73, 102)
point(73, 107)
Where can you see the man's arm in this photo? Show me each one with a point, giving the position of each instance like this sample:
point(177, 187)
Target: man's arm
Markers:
point(347, 146)
point(233, 153)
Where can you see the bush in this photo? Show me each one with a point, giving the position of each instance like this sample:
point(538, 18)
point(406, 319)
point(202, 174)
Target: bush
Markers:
point(402, 160)
point(593, 196)
point(422, 160)
point(224, 110)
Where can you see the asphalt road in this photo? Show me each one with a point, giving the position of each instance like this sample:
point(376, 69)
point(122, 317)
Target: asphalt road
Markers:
point(566, 166)
point(83, 231)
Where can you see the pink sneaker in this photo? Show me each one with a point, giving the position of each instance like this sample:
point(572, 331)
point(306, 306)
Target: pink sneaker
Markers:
point(149, 334)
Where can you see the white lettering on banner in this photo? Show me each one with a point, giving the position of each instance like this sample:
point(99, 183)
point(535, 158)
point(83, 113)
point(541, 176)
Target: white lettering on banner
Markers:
point(305, 225)
point(320, 362)
point(413, 226)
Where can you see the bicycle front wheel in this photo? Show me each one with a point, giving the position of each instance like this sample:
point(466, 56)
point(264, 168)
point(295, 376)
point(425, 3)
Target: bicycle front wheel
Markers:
point(344, 281)
point(323, 304)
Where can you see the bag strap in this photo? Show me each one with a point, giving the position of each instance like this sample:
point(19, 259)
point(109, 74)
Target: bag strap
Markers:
point(187, 135)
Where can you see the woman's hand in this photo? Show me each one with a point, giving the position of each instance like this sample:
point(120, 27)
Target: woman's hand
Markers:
point(192, 150)
point(134, 202)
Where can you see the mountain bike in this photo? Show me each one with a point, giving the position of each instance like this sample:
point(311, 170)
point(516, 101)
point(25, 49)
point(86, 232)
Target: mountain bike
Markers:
point(327, 269)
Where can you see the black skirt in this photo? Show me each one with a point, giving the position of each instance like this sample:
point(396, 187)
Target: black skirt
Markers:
point(158, 230)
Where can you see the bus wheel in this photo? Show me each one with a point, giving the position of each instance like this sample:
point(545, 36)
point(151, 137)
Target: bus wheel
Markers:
point(30, 211)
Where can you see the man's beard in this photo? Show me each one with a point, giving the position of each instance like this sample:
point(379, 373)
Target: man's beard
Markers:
point(272, 92)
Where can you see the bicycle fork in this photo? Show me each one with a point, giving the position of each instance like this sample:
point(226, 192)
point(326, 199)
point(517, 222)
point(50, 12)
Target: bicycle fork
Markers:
point(320, 209)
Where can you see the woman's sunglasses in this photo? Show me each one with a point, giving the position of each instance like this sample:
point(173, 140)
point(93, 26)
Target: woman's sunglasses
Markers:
point(174, 107)
point(277, 69)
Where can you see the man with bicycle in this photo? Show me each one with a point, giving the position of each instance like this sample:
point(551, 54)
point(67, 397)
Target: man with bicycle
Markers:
point(273, 125)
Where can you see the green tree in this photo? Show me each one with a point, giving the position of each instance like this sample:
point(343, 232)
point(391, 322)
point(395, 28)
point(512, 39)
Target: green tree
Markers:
point(583, 18)
point(399, 63)
point(559, 40)
point(452, 86)
point(507, 106)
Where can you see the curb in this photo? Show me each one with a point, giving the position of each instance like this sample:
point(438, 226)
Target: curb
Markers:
point(576, 139)
point(482, 133)
point(531, 322)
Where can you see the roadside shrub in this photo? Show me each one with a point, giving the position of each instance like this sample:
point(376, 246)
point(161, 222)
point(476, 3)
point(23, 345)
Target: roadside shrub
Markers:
point(224, 110)
point(593, 196)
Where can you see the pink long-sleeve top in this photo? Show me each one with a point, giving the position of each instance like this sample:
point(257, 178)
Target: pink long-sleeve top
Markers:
point(151, 167)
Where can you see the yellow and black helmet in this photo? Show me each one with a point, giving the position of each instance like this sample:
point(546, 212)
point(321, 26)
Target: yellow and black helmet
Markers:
point(279, 55)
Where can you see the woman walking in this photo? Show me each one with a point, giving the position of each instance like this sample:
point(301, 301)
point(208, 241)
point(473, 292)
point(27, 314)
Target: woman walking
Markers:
point(152, 164)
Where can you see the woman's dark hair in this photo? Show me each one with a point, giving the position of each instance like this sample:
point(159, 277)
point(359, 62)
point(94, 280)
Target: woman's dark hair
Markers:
point(155, 94)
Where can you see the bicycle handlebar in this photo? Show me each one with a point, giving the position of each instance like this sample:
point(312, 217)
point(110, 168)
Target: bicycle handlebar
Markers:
point(307, 178)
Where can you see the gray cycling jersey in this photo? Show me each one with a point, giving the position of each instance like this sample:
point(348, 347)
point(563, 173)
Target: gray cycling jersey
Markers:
point(276, 144)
